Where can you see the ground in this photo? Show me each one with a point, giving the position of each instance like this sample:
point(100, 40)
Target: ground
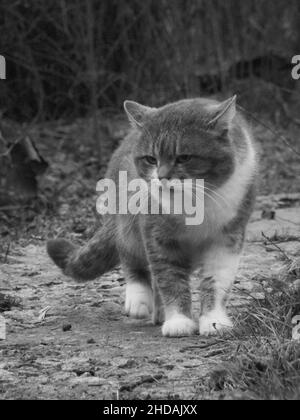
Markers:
point(86, 347)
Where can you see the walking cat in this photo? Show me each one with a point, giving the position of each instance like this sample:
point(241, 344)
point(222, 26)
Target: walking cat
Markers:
point(189, 139)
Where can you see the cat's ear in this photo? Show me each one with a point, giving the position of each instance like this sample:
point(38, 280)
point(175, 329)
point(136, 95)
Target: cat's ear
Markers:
point(137, 113)
point(224, 114)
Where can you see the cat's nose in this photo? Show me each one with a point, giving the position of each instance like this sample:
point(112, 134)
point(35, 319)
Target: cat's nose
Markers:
point(164, 172)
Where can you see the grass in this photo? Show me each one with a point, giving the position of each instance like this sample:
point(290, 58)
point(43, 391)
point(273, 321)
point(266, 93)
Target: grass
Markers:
point(261, 371)
point(263, 360)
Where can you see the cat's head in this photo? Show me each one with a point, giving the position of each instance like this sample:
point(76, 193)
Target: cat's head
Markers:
point(190, 139)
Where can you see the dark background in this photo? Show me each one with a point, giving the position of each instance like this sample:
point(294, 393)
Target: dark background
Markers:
point(66, 57)
point(71, 64)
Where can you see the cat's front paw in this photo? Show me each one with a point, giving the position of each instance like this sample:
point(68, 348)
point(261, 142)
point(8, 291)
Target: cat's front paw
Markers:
point(139, 301)
point(178, 326)
point(214, 322)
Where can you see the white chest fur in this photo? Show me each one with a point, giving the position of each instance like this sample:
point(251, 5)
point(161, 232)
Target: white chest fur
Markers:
point(222, 205)
point(233, 191)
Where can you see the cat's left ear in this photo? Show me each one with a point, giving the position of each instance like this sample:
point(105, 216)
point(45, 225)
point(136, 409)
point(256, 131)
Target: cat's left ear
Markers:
point(224, 114)
point(137, 113)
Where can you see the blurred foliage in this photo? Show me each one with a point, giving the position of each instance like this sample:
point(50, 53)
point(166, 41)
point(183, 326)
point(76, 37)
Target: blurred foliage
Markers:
point(67, 57)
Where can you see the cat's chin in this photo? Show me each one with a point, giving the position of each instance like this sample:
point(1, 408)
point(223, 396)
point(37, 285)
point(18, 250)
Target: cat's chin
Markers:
point(214, 323)
point(179, 326)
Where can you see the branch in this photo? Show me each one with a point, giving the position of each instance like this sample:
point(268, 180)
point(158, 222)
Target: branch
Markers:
point(276, 246)
point(280, 136)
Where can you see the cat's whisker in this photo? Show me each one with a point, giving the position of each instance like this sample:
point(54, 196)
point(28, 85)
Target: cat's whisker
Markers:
point(219, 196)
point(213, 189)
point(199, 188)
point(206, 194)
point(213, 192)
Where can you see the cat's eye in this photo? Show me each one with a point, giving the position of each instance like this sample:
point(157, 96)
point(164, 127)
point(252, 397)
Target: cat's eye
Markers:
point(150, 160)
point(183, 158)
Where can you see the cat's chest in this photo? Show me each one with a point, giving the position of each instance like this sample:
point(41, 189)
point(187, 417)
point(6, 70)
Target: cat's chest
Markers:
point(214, 220)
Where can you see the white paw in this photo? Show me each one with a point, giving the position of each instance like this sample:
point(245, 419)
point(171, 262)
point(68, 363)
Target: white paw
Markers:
point(139, 300)
point(214, 322)
point(178, 326)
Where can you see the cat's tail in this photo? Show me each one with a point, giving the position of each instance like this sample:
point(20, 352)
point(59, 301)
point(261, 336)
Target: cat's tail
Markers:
point(85, 263)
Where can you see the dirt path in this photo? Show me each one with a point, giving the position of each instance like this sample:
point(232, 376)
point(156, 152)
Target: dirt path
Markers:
point(104, 354)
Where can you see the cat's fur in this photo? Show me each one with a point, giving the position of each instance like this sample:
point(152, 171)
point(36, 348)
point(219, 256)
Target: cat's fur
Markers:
point(158, 253)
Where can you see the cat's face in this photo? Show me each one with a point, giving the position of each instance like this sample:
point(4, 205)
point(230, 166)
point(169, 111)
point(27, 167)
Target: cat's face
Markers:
point(186, 140)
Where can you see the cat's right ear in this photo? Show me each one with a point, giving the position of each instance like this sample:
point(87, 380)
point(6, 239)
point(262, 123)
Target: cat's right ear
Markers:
point(137, 113)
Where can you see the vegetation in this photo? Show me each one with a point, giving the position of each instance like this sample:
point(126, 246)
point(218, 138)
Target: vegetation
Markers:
point(261, 360)
point(66, 58)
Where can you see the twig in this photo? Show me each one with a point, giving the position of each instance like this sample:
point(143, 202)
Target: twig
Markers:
point(6, 253)
point(143, 380)
point(200, 346)
point(16, 207)
point(23, 135)
point(10, 148)
point(288, 221)
point(2, 139)
point(276, 246)
point(280, 136)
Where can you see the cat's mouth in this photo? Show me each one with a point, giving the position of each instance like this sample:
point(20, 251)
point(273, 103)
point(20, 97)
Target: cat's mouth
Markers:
point(167, 183)
point(177, 184)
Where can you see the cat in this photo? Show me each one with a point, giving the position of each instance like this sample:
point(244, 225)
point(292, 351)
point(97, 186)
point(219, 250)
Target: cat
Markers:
point(190, 139)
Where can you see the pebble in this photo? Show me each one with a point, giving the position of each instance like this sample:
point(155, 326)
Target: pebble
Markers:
point(66, 327)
